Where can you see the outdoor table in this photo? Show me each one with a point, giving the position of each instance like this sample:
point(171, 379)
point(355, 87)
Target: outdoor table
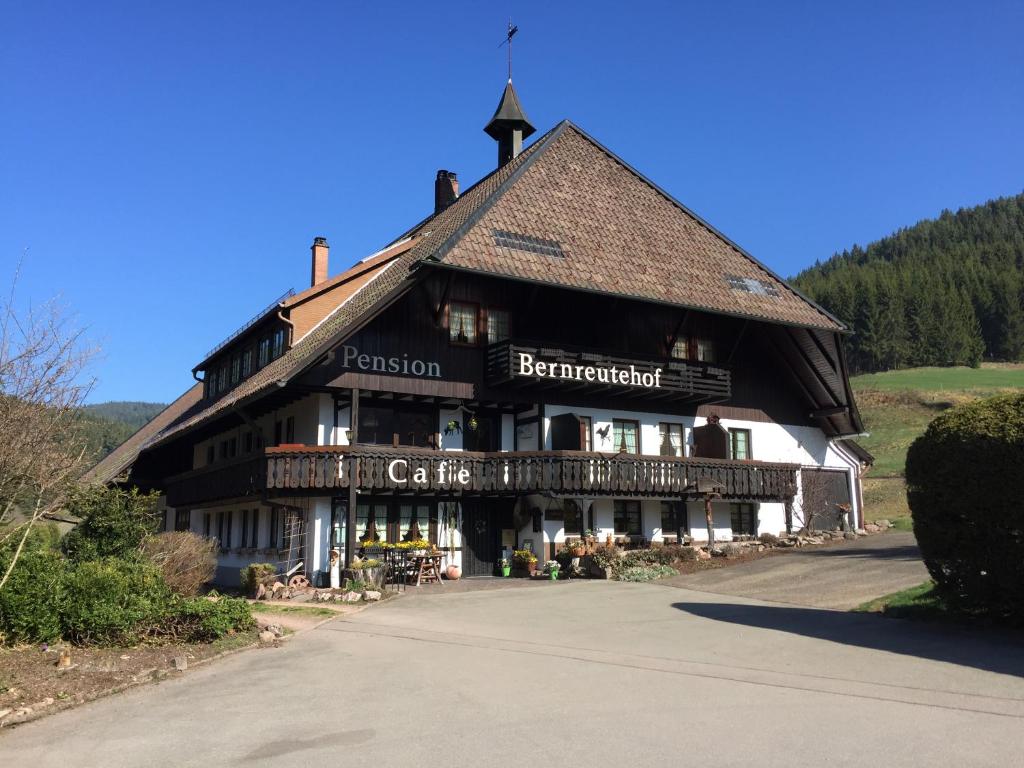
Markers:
point(427, 568)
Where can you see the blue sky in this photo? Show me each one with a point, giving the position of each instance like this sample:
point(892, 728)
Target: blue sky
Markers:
point(165, 166)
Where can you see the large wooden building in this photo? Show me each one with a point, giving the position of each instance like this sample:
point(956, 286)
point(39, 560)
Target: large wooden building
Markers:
point(562, 347)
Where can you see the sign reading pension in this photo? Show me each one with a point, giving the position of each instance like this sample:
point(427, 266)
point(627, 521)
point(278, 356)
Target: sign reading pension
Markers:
point(622, 375)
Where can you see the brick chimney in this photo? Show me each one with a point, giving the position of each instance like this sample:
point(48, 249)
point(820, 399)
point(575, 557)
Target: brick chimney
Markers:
point(446, 190)
point(320, 249)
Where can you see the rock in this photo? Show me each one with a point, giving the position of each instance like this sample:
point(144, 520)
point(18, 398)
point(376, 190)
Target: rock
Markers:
point(64, 660)
point(261, 592)
point(4, 713)
point(872, 528)
point(787, 543)
point(180, 663)
point(267, 637)
point(883, 524)
point(351, 597)
point(371, 596)
point(849, 535)
point(275, 630)
point(703, 554)
point(861, 532)
point(45, 702)
point(277, 588)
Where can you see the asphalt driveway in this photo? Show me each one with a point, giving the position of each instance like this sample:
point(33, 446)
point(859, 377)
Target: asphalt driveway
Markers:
point(841, 576)
point(604, 673)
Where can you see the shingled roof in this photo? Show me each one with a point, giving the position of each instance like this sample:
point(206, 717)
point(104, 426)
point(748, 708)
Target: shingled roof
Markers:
point(613, 231)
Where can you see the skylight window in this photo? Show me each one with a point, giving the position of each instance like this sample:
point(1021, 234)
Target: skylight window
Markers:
point(527, 243)
point(752, 285)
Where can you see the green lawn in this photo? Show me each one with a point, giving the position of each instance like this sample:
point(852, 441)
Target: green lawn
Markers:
point(897, 407)
point(920, 602)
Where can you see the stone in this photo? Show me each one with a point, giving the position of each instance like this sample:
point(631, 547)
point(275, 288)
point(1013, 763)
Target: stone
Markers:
point(371, 596)
point(861, 532)
point(884, 524)
point(261, 592)
point(277, 588)
point(275, 630)
point(180, 663)
point(872, 528)
point(351, 597)
point(703, 554)
point(849, 535)
point(5, 712)
point(45, 702)
point(267, 637)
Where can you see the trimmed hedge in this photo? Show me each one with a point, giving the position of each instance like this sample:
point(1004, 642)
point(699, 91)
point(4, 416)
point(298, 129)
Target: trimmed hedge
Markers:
point(31, 600)
point(965, 487)
point(113, 602)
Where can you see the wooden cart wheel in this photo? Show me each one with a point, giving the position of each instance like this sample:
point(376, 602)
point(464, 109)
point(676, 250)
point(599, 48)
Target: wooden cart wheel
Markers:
point(298, 581)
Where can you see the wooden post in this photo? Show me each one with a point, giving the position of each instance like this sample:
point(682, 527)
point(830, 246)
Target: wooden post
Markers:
point(709, 516)
point(353, 482)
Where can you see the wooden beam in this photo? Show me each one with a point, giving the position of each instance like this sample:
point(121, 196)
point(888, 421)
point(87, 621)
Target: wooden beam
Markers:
point(353, 483)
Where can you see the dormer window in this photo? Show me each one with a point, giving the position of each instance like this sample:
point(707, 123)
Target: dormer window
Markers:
point(246, 363)
point(236, 369)
point(264, 352)
point(222, 379)
point(277, 344)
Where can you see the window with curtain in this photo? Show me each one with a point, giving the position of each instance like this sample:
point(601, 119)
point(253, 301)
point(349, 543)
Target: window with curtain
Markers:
point(573, 518)
point(739, 441)
point(497, 325)
point(462, 323)
point(182, 519)
point(627, 518)
point(413, 521)
point(626, 436)
point(671, 438)
point(681, 349)
point(371, 522)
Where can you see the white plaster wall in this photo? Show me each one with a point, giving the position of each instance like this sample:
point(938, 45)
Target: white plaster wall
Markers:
point(452, 442)
point(313, 423)
point(508, 432)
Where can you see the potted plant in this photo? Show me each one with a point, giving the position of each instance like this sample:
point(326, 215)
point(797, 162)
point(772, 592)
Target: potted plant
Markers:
point(525, 559)
point(506, 567)
point(551, 569)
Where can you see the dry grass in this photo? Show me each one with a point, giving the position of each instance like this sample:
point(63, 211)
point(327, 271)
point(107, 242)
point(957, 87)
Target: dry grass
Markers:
point(187, 560)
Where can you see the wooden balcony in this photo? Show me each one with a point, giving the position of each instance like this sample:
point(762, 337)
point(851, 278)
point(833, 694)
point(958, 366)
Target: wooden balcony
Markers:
point(230, 479)
point(582, 370)
point(414, 470)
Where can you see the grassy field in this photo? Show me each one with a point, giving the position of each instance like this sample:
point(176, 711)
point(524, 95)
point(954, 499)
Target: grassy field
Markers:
point(897, 407)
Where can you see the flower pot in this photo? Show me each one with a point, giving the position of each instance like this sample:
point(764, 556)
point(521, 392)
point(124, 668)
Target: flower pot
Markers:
point(453, 572)
point(506, 570)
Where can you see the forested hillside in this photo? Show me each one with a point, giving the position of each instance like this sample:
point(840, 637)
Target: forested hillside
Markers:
point(948, 291)
point(107, 425)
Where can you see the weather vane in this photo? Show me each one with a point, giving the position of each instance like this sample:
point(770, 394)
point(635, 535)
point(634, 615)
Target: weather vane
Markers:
point(508, 41)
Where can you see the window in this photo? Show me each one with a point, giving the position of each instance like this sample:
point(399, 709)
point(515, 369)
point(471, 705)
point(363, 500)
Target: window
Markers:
point(681, 349)
point(182, 519)
point(413, 521)
point(263, 350)
point(236, 369)
point(462, 323)
point(739, 443)
point(743, 519)
point(289, 429)
point(222, 379)
point(223, 449)
point(705, 350)
point(246, 363)
point(381, 425)
point(627, 518)
point(573, 518)
point(255, 535)
point(277, 432)
point(277, 344)
point(481, 433)
point(210, 454)
point(586, 433)
point(626, 436)
point(232, 447)
point(670, 439)
point(673, 518)
point(227, 531)
point(247, 442)
point(206, 524)
point(220, 530)
point(497, 325)
point(245, 527)
point(275, 525)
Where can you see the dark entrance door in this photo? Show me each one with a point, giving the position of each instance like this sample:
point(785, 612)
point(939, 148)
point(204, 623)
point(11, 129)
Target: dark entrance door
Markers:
point(482, 523)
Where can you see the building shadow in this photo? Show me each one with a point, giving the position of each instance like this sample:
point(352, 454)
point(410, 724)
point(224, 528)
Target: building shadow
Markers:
point(984, 648)
point(908, 552)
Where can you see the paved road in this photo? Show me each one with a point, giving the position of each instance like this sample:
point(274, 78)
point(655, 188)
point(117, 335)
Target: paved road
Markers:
point(603, 674)
point(841, 576)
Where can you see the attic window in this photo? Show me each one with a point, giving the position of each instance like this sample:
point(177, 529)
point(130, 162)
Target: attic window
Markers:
point(752, 285)
point(527, 243)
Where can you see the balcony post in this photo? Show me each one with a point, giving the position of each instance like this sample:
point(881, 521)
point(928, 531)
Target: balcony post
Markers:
point(353, 481)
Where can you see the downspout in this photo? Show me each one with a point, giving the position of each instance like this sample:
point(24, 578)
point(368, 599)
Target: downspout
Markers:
point(289, 323)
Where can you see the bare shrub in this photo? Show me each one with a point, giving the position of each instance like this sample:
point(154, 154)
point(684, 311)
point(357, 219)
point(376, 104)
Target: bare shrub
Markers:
point(187, 560)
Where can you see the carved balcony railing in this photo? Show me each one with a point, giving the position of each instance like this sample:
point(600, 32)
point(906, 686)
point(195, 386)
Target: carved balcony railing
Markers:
point(235, 478)
point(386, 469)
point(587, 370)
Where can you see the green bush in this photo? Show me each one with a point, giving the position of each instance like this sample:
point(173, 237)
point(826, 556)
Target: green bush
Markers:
point(31, 600)
point(114, 523)
point(255, 574)
point(965, 488)
point(645, 572)
point(202, 620)
point(113, 601)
